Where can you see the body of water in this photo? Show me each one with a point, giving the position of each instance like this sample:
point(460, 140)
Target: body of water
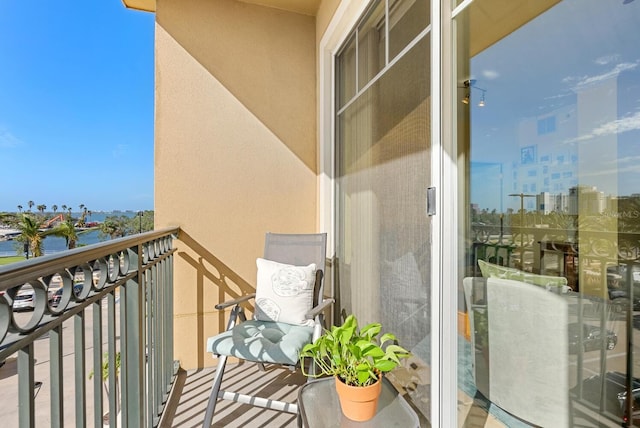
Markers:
point(50, 245)
point(54, 244)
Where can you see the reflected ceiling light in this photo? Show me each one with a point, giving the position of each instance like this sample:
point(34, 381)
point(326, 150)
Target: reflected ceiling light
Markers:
point(481, 103)
point(471, 84)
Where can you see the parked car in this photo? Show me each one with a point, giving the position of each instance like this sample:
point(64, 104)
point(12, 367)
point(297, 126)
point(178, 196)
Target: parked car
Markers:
point(620, 300)
point(57, 296)
point(25, 299)
point(615, 395)
point(635, 410)
point(621, 270)
point(619, 290)
point(591, 338)
point(55, 299)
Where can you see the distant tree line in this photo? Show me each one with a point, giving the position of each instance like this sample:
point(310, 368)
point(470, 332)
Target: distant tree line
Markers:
point(625, 218)
point(118, 226)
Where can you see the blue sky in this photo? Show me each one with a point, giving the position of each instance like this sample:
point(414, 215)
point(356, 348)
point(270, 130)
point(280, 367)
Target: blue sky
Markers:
point(581, 66)
point(76, 105)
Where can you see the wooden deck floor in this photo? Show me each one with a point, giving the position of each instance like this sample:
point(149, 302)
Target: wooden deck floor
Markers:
point(191, 392)
point(188, 401)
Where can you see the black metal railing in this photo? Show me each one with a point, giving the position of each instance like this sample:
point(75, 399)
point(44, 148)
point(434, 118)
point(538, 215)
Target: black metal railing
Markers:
point(104, 309)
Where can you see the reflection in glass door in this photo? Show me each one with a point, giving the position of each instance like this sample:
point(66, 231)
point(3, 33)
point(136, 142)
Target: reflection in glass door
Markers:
point(548, 120)
point(383, 158)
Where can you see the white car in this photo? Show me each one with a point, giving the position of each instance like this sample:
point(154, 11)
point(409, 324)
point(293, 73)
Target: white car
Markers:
point(25, 299)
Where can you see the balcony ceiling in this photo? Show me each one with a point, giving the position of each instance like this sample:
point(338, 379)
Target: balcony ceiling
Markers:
point(305, 7)
point(146, 5)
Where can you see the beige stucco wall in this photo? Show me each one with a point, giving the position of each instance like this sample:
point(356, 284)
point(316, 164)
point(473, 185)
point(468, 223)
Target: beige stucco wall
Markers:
point(235, 148)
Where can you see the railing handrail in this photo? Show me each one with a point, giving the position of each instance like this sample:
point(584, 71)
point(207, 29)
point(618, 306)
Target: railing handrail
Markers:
point(21, 272)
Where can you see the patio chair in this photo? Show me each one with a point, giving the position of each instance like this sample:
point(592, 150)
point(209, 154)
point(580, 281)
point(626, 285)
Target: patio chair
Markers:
point(289, 311)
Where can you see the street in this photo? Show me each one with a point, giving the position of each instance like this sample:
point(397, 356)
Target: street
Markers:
point(9, 376)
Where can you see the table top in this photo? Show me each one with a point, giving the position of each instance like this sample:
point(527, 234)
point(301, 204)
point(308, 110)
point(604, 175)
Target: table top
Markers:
point(319, 407)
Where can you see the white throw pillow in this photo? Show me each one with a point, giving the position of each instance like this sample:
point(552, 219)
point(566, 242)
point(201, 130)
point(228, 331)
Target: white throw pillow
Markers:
point(284, 293)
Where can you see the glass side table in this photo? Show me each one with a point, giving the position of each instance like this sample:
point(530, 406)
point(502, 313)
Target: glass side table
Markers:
point(319, 407)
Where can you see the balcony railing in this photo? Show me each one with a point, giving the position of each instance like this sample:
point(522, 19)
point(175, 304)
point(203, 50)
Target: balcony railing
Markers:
point(603, 265)
point(525, 246)
point(115, 305)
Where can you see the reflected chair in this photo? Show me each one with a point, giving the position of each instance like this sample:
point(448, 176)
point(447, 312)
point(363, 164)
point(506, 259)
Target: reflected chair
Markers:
point(289, 308)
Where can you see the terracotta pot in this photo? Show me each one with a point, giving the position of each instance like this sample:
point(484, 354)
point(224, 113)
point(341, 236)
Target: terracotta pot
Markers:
point(359, 403)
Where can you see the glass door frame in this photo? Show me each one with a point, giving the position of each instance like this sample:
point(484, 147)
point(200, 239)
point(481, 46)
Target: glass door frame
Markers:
point(446, 234)
point(444, 266)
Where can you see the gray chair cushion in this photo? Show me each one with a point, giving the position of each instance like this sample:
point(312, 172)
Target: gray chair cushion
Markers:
point(262, 341)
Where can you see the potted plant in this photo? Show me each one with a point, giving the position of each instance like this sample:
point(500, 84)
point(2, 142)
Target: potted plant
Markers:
point(357, 360)
point(105, 378)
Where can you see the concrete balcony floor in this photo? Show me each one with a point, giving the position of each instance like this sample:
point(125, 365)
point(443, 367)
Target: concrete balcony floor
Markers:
point(191, 392)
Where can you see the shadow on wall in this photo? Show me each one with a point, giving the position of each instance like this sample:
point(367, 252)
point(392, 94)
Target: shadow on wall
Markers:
point(230, 286)
point(265, 57)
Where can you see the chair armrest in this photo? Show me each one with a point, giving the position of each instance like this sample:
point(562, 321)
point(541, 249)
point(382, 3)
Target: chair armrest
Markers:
point(318, 309)
point(233, 302)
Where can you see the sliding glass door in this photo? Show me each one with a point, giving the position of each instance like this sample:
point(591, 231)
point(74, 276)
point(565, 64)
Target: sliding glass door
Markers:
point(383, 157)
point(548, 132)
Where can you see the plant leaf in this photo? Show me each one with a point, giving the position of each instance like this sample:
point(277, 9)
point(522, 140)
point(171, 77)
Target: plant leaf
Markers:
point(386, 337)
point(396, 352)
point(363, 377)
point(385, 365)
point(370, 350)
point(371, 330)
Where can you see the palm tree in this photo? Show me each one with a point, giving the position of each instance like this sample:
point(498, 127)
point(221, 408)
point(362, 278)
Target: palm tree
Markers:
point(67, 230)
point(41, 208)
point(64, 207)
point(114, 227)
point(31, 204)
point(81, 220)
point(31, 234)
point(54, 207)
point(19, 208)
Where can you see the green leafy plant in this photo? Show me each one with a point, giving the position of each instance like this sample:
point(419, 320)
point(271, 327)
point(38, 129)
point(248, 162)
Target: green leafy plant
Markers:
point(105, 366)
point(354, 355)
point(105, 377)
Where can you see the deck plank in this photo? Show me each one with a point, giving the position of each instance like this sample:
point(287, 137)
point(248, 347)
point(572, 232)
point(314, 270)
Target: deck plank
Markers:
point(189, 398)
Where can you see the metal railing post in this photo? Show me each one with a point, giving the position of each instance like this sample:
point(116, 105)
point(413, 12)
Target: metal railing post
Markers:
point(97, 363)
point(133, 357)
point(26, 400)
point(80, 369)
point(57, 382)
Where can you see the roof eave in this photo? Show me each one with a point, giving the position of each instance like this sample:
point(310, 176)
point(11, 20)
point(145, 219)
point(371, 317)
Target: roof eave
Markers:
point(144, 5)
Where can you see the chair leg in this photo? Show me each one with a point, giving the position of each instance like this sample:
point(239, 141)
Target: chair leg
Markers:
point(213, 397)
point(310, 369)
